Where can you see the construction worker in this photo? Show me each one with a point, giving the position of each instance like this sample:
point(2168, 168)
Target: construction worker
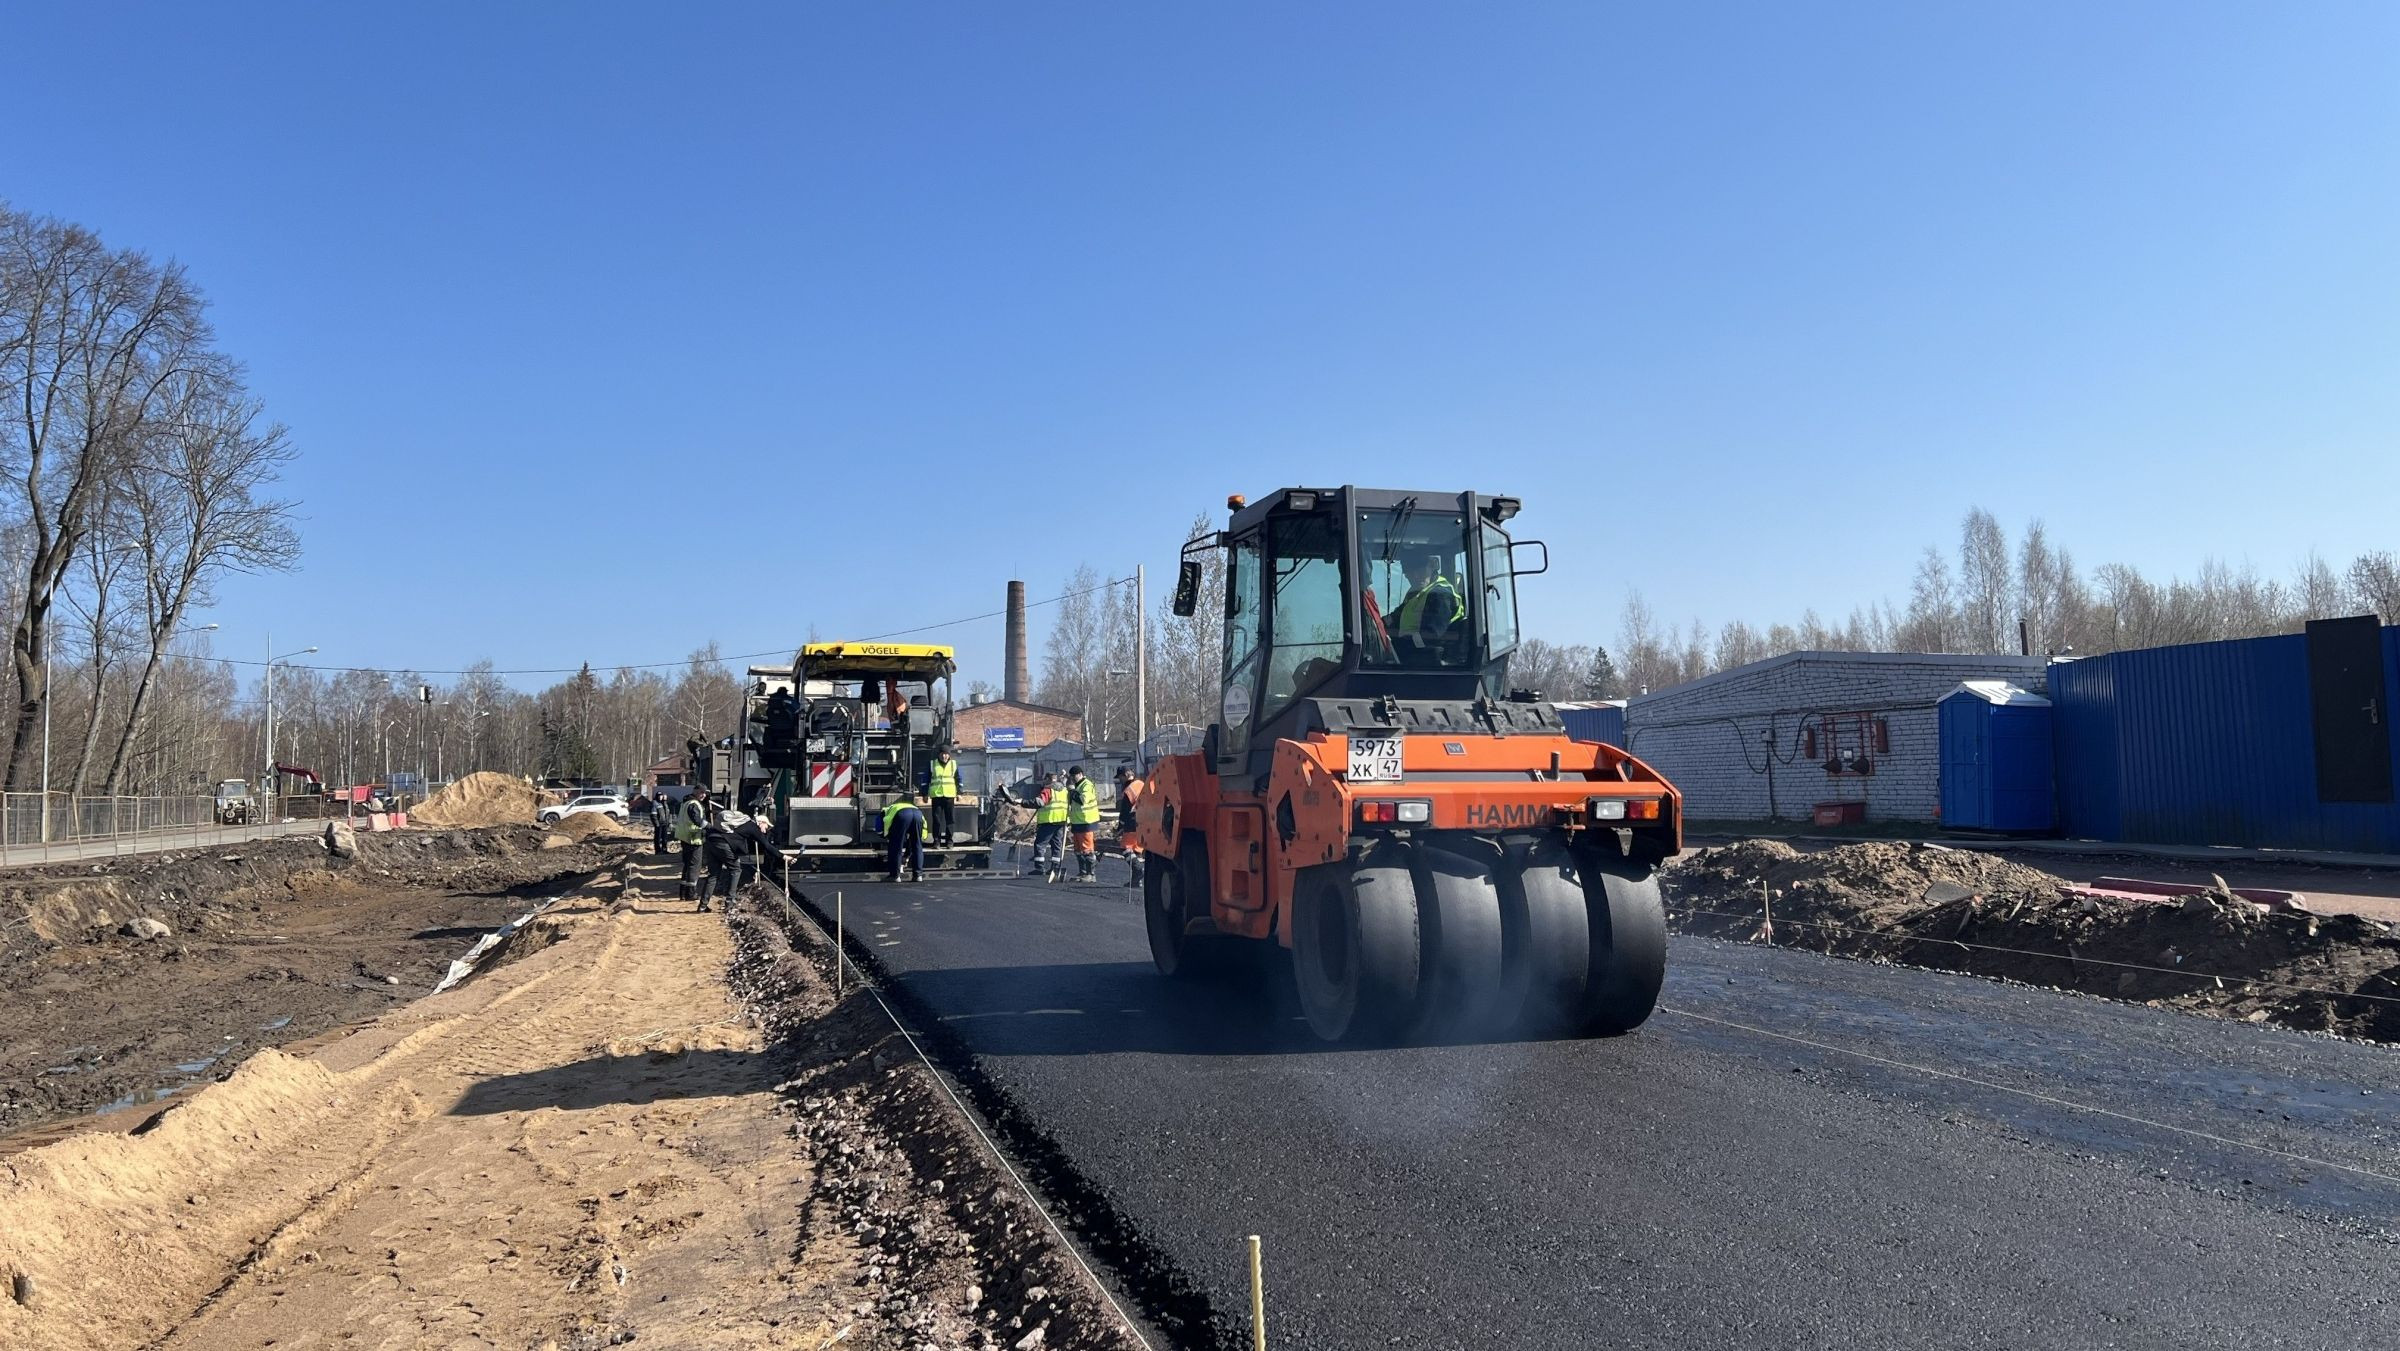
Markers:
point(1083, 818)
point(691, 827)
point(1050, 827)
point(729, 842)
point(1129, 795)
point(662, 814)
point(1434, 604)
point(941, 785)
point(904, 832)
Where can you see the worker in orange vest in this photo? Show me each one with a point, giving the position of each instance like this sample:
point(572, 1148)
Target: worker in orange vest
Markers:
point(1129, 795)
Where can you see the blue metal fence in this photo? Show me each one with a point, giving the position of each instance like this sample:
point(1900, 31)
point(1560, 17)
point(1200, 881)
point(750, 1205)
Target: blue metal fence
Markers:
point(2209, 743)
point(1603, 722)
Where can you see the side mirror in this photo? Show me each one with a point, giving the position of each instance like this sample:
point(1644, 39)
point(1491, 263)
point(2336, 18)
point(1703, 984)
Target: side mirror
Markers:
point(1519, 569)
point(1187, 589)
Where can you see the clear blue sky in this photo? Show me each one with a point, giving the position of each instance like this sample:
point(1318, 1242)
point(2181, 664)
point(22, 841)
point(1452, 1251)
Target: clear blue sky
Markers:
point(1746, 302)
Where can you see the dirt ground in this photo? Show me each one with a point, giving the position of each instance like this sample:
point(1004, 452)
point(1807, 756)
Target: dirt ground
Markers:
point(268, 944)
point(2372, 892)
point(1925, 905)
point(594, 1141)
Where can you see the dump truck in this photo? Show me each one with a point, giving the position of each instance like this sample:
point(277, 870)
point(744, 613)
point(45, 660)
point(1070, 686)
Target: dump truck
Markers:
point(851, 729)
point(1438, 855)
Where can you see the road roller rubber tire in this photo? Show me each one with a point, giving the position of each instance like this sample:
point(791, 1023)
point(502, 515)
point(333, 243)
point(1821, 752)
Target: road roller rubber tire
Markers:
point(1162, 915)
point(1354, 950)
point(1628, 943)
point(1462, 989)
point(1547, 925)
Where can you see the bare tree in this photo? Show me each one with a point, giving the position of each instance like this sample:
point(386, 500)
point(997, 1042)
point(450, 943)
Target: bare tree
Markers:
point(1644, 650)
point(1075, 651)
point(1739, 645)
point(1933, 623)
point(2375, 584)
point(88, 335)
point(194, 511)
point(1186, 657)
point(2320, 593)
point(99, 571)
point(1985, 582)
point(2038, 584)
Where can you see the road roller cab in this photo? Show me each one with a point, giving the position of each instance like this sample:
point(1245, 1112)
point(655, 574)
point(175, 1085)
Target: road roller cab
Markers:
point(1441, 858)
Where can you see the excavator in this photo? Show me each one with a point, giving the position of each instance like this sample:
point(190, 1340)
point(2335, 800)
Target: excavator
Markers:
point(1441, 859)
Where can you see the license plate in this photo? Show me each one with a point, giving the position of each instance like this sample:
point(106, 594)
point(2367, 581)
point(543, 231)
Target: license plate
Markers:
point(1375, 759)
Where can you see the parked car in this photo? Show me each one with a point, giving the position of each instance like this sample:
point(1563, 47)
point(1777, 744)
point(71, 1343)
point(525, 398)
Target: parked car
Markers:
point(607, 804)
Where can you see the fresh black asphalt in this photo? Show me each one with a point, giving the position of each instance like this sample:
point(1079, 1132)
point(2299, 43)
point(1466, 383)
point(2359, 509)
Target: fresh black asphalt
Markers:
point(1797, 1151)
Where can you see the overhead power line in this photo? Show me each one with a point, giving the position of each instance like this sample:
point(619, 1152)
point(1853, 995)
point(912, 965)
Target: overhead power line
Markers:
point(784, 651)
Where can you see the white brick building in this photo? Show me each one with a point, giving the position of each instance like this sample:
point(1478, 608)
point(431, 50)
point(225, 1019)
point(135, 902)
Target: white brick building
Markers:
point(1756, 742)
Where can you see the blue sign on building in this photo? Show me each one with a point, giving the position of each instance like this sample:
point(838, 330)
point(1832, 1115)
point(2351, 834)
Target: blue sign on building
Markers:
point(1004, 738)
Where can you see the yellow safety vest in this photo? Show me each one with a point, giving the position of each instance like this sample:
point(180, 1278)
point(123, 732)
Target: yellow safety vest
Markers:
point(893, 811)
point(944, 779)
point(1053, 811)
point(1083, 803)
point(1412, 610)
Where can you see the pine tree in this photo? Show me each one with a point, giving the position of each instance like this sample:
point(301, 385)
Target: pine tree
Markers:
point(1600, 680)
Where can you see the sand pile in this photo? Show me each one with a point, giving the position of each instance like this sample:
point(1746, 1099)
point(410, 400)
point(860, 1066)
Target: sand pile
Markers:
point(481, 799)
point(1921, 905)
point(596, 825)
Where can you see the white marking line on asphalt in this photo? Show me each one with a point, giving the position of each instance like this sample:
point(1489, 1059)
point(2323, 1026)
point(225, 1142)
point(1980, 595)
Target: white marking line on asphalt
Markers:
point(867, 983)
point(2037, 1097)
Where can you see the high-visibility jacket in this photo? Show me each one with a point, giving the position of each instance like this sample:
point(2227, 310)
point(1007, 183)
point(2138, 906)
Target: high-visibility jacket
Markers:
point(1053, 811)
point(942, 779)
point(1083, 803)
point(892, 813)
point(691, 821)
point(1442, 595)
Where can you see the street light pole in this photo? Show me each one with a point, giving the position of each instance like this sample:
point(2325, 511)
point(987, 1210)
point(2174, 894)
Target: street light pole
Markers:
point(45, 738)
point(268, 787)
point(1141, 658)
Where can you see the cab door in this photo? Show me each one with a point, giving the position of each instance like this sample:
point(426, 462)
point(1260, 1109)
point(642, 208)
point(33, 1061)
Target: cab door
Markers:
point(1237, 833)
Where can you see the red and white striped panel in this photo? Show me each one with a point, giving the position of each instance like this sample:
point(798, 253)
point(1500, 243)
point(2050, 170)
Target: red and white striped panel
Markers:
point(829, 781)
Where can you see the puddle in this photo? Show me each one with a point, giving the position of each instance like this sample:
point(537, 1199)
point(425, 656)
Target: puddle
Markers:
point(199, 1066)
point(278, 1025)
point(134, 1099)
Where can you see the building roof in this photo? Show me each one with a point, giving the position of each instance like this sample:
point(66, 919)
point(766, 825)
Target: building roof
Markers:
point(1970, 660)
point(1020, 705)
point(1998, 692)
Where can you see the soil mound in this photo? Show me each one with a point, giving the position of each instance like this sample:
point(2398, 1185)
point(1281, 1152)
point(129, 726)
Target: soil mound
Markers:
point(1956, 910)
point(1875, 878)
point(481, 799)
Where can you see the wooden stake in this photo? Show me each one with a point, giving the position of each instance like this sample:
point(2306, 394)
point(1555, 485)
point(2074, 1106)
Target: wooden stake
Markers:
point(1258, 1300)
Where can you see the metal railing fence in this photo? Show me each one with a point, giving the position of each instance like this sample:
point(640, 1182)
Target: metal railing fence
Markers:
point(39, 827)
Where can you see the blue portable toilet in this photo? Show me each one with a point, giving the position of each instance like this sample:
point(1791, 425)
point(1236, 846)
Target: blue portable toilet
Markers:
point(1995, 742)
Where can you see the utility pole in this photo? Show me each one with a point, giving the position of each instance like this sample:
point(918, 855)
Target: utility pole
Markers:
point(1141, 659)
point(46, 639)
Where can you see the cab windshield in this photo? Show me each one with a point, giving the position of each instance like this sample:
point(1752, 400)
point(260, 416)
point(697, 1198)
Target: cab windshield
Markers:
point(1417, 609)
